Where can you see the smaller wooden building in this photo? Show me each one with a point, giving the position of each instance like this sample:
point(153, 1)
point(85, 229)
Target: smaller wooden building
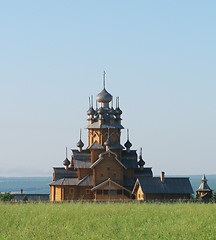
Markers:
point(162, 188)
point(204, 191)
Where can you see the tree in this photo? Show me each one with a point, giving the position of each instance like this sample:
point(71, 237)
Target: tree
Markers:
point(214, 196)
point(7, 196)
point(25, 198)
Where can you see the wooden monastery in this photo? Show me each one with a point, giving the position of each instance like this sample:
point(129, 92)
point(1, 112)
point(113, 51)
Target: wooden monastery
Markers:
point(106, 170)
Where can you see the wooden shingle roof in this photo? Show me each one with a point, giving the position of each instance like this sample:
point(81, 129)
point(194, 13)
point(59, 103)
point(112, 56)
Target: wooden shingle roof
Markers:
point(170, 186)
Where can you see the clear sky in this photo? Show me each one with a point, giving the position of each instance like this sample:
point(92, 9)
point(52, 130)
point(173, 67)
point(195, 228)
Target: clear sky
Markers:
point(160, 58)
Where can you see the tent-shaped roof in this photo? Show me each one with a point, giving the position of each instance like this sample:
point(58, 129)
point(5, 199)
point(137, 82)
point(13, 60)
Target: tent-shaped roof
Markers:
point(204, 187)
point(95, 145)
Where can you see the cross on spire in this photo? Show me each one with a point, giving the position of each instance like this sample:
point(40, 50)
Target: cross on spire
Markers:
point(104, 76)
point(80, 133)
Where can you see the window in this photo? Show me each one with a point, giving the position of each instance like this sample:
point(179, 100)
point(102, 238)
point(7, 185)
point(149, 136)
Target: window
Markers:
point(114, 175)
point(102, 175)
point(106, 192)
point(99, 192)
point(119, 192)
point(88, 191)
point(108, 169)
point(71, 190)
point(113, 192)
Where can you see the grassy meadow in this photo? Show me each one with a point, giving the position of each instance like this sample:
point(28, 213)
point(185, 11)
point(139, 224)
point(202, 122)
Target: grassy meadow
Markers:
point(107, 221)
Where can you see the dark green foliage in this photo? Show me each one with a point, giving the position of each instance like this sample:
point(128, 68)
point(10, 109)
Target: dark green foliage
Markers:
point(25, 198)
point(214, 196)
point(6, 196)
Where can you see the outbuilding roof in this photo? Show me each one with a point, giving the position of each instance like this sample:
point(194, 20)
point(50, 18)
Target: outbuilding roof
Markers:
point(170, 185)
point(143, 172)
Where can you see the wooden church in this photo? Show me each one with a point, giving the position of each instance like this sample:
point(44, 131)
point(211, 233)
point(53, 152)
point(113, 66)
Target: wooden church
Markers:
point(107, 170)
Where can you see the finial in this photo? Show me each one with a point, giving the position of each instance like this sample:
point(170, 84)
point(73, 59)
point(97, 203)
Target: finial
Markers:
point(66, 152)
point(112, 103)
point(128, 134)
point(140, 151)
point(117, 102)
point(91, 100)
point(104, 73)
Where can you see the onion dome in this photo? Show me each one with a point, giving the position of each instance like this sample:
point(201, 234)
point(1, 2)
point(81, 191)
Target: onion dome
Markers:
point(80, 144)
point(91, 111)
point(104, 96)
point(112, 111)
point(101, 111)
point(111, 117)
point(66, 162)
point(118, 111)
point(141, 162)
point(128, 144)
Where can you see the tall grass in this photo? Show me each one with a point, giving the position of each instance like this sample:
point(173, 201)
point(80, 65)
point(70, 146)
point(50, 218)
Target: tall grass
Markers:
point(107, 221)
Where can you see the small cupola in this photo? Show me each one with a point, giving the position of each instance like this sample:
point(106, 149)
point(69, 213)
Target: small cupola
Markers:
point(91, 111)
point(101, 111)
point(80, 144)
point(66, 162)
point(118, 111)
point(104, 97)
point(128, 144)
point(112, 114)
point(141, 162)
point(108, 143)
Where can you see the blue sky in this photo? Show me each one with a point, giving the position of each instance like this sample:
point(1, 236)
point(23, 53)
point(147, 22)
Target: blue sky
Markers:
point(159, 57)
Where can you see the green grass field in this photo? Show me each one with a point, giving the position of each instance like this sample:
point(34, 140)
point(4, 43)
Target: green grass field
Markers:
point(107, 221)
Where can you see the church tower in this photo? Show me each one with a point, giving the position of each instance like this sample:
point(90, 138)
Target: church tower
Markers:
point(104, 170)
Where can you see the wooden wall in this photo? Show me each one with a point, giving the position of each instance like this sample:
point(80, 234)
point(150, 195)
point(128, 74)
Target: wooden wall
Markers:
point(108, 168)
point(94, 154)
point(100, 135)
point(82, 172)
point(67, 193)
point(52, 192)
point(129, 173)
point(166, 196)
